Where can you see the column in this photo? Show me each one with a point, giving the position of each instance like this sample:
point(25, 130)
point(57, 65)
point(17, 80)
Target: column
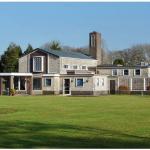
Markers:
point(19, 83)
point(144, 81)
point(0, 85)
point(130, 84)
point(11, 82)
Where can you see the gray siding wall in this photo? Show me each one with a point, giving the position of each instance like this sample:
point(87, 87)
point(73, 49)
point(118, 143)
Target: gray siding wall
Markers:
point(23, 64)
point(53, 64)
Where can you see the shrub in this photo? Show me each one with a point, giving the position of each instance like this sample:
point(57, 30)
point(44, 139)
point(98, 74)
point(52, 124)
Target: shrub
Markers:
point(124, 89)
point(12, 92)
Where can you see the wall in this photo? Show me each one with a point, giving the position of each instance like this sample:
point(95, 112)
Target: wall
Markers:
point(23, 64)
point(75, 61)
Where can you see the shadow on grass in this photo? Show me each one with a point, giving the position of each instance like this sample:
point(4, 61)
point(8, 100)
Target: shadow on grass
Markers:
point(39, 135)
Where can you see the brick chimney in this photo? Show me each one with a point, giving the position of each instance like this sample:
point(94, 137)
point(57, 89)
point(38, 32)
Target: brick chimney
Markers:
point(95, 46)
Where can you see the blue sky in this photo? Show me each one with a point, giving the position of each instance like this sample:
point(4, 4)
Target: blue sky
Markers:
point(121, 24)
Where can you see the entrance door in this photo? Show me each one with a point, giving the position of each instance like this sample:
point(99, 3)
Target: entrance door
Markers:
point(66, 88)
point(112, 86)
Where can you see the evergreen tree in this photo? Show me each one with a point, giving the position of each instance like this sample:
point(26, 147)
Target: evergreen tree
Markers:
point(9, 60)
point(118, 62)
point(28, 50)
point(55, 45)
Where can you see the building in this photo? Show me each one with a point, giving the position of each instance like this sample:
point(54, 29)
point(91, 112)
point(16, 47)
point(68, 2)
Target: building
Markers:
point(73, 73)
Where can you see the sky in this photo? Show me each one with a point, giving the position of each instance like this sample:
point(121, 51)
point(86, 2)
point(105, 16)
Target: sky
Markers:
point(122, 25)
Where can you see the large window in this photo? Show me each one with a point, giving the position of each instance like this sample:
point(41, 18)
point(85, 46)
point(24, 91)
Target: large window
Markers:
point(37, 84)
point(79, 82)
point(137, 72)
point(38, 64)
point(19, 83)
point(47, 82)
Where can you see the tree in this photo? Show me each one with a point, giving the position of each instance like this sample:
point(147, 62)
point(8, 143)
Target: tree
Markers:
point(55, 45)
point(29, 49)
point(118, 62)
point(9, 60)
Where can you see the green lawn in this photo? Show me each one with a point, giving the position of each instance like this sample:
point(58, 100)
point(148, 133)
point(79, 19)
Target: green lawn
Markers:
point(75, 122)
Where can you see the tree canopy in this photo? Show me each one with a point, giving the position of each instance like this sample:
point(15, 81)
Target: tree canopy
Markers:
point(118, 62)
point(9, 60)
point(29, 49)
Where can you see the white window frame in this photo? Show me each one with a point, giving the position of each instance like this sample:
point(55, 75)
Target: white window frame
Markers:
point(128, 72)
point(113, 74)
point(75, 65)
point(42, 64)
point(66, 65)
point(45, 82)
point(84, 66)
point(76, 82)
point(135, 72)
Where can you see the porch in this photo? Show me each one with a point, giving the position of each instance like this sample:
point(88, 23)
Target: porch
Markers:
point(20, 82)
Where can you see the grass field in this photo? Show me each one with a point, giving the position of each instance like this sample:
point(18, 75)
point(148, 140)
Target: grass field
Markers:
point(75, 122)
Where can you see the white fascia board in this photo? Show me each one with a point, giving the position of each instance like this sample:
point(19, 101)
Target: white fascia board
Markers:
point(16, 74)
point(51, 75)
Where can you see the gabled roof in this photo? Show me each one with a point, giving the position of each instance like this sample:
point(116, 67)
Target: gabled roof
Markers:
point(66, 53)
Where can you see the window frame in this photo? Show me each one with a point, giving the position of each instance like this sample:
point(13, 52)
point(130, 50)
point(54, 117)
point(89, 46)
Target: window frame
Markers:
point(77, 82)
point(46, 82)
point(74, 66)
point(113, 70)
point(42, 64)
point(40, 85)
point(84, 66)
point(135, 72)
point(128, 72)
point(66, 65)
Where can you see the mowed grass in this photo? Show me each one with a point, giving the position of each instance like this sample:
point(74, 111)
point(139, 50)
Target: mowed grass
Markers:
point(75, 122)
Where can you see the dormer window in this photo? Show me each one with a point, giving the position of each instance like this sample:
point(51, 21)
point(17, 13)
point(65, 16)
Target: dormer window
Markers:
point(38, 64)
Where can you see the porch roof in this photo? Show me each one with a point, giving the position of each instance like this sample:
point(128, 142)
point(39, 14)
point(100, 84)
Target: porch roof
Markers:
point(15, 74)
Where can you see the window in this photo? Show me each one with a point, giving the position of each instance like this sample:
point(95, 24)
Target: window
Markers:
point(114, 72)
point(66, 66)
point(126, 72)
point(37, 84)
point(102, 82)
point(79, 82)
point(19, 83)
point(75, 67)
point(83, 67)
point(98, 84)
point(137, 71)
point(47, 82)
point(38, 64)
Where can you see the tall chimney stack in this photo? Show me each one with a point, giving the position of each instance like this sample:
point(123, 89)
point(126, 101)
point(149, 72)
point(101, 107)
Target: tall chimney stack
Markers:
point(95, 46)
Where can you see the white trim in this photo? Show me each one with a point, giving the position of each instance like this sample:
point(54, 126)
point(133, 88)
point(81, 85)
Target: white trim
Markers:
point(130, 84)
point(16, 74)
point(45, 82)
point(42, 63)
point(48, 63)
point(51, 75)
point(144, 84)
